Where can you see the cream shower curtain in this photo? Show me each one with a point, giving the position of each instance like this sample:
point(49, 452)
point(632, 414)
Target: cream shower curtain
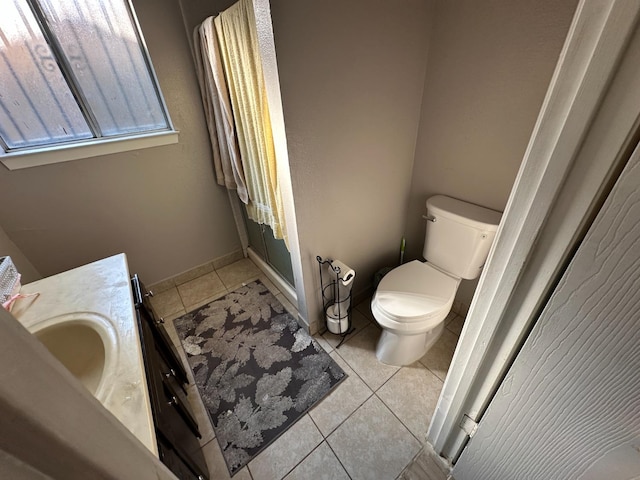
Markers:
point(217, 107)
point(236, 35)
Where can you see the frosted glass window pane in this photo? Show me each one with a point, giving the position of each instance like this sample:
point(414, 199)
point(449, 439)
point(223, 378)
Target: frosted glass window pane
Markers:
point(36, 104)
point(99, 40)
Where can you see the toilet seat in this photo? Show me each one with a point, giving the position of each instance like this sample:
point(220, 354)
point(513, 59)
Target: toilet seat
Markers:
point(413, 294)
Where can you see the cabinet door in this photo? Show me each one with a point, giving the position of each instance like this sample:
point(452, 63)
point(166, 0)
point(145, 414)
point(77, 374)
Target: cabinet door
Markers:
point(179, 410)
point(174, 462)
point(162, 339)
point(176, 430)
point(175, 421)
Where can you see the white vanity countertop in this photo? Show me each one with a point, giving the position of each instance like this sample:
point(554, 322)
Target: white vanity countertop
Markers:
point(101, 288)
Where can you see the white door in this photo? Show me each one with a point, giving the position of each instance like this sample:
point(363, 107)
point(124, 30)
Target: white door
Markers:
point(569, 408)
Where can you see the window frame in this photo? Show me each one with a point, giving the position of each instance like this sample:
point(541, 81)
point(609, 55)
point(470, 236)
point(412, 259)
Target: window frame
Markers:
point(99, 145)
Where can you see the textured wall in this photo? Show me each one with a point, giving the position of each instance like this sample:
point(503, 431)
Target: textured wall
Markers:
point(489, 67)
point(351, 76)
point(160, 205)
point(195, 11)
point(352, 80)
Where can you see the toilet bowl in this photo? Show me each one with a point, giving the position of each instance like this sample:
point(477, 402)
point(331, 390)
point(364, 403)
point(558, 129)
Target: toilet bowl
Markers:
point(410, 305)
point(413, 300)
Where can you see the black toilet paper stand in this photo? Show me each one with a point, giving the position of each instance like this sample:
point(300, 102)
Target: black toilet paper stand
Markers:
point(344, 306)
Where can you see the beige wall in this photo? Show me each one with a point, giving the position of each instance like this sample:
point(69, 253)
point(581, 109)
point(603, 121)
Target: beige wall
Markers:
point(22, 263)
point(351, 76)
point(352, 80)
point(160, 205)
point(195, 11)
point(489, 67)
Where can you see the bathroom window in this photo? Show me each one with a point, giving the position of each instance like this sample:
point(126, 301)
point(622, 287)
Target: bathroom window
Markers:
point(74, 74)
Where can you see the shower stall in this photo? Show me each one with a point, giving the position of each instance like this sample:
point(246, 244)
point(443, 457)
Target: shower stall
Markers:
point(270, 250)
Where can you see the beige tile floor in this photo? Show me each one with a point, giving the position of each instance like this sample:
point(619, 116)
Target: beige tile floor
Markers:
point(370, 427)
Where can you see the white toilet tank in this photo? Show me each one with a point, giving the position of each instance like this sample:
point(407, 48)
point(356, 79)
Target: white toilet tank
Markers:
point(459, 235)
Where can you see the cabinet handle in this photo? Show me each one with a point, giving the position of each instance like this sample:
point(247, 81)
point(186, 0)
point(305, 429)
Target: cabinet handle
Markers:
point(173, 401)
point(170, 373)
point(149, 294)
point(160, 321)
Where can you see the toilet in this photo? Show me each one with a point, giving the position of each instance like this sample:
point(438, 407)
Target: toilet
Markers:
point(412, 300)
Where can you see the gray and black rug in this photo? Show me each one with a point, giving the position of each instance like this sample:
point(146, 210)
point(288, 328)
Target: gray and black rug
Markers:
point(257, 371)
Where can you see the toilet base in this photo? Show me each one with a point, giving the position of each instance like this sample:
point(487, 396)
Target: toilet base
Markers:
point(401, 350)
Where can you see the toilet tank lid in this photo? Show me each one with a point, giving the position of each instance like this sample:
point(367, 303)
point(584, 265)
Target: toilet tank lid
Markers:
point(464, 212)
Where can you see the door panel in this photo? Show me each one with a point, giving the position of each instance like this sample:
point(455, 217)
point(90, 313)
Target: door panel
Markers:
point(570, 405)
point(272, 251)
point(278, 255)
point(254, 231)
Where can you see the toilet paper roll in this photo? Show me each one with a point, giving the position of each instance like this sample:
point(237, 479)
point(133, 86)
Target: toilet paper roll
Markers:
point(342, 289)
point(337, 325)
point(340, 309)
point(346, 275)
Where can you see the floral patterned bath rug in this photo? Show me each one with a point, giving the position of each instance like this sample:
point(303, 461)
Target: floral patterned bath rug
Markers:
point(257, 371)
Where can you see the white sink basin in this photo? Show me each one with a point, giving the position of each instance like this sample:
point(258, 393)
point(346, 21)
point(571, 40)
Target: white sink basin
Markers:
point(84, 342)
point(87, 320)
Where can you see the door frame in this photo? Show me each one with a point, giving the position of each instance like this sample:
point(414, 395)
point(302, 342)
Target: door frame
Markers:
point(266, 45)
point(587, 122)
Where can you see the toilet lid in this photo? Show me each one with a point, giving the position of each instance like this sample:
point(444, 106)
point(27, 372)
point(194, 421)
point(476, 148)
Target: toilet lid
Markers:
point(415, 291)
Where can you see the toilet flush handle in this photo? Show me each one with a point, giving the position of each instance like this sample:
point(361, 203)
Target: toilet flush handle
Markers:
point(429, 218)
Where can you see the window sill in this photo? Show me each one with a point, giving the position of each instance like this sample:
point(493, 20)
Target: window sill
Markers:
point(92, 148)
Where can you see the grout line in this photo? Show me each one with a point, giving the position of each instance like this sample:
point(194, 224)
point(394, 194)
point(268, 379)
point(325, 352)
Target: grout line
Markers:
point(205, 444)
point(351, 336)
point(352, 413)
point(437, 376)
point(364, 314)
point(184, 307)
point(421, 445)
point(338, 458)
point(348, 416)
point(211, 298)
point(307, 455)
point(354, 371)
point(385, 382)
point(214, 270)
point(313, 421)
point(398, 418)
point(373, 394)
point(358, 407)
point(434, 373)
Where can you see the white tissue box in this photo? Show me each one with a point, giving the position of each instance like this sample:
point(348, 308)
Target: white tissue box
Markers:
point(9, 279)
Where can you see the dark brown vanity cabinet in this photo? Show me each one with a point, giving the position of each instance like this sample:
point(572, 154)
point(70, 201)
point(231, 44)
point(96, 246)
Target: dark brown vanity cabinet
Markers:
point(176, 429)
